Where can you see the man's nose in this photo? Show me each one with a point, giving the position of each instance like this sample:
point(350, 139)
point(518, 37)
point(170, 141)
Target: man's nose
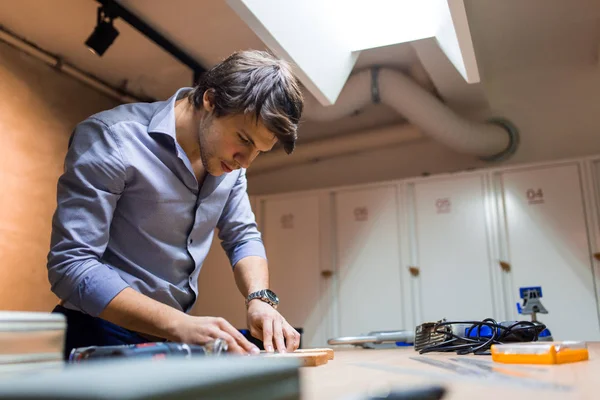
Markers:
point(244, 160)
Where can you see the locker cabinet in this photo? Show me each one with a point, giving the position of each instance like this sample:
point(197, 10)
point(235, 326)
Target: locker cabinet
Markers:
point(548, 246)
point(594, 193)
point(451, 246)
point(340, 259)
point(292, 239)
point(367, 258)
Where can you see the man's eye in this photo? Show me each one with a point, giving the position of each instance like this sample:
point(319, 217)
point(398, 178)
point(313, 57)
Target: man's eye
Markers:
point(243, 139)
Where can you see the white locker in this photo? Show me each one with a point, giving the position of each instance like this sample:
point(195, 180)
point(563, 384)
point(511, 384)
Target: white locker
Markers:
point(292, 239)
point(452, 249)
point(368, 263)
point(548, 246)
point(595, 199)
point(593, 194)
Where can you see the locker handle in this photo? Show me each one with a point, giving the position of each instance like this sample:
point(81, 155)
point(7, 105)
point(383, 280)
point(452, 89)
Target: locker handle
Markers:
point(326, 273)
point(505, 266)
point(597, 256)
point(414, 271)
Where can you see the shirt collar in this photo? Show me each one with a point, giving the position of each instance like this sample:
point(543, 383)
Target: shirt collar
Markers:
point(163, 120)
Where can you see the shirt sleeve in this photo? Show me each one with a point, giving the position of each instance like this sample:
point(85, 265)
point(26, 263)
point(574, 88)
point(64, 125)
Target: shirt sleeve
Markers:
point(238, 231)
point(87, 194)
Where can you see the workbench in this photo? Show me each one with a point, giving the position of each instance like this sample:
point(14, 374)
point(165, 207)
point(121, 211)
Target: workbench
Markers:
point(356, 371)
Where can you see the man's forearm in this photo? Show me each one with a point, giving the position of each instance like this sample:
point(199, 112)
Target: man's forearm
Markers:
point(251, 274)
point(137, 312)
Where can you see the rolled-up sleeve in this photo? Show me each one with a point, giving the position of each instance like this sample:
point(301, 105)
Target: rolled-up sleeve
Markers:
point(238, 231)
point(87, 194)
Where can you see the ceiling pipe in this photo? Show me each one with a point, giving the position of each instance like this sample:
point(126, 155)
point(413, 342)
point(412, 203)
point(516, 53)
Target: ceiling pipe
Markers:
point(336, 146)
point(491, 141)
point(496, 139)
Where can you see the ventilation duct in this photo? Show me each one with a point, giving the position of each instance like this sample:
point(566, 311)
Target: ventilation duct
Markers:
point(493, 140)
point(337, 146)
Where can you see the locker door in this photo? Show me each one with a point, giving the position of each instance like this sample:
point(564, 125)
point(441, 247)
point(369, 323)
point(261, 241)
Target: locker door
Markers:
point(595, 189)
point(368, 265)
point(291, 235)
point(549, 247)
point(453, 252)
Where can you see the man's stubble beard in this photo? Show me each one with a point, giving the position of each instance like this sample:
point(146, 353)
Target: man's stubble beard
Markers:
point(205, 153)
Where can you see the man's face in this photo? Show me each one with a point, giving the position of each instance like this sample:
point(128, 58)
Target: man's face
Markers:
point(232, 142)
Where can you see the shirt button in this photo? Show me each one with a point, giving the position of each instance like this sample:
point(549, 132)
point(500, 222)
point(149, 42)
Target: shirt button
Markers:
point(191, 241)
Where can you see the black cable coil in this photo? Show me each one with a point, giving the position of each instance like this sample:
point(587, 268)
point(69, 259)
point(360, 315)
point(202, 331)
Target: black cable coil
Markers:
point(521, 331)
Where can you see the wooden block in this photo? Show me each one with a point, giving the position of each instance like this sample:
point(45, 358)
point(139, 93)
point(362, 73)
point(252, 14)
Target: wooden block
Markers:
point(322, 350)
point(308, 359)
point(330, 353)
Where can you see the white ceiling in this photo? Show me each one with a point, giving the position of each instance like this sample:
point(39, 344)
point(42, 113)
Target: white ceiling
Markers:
point(507, 35)
point(527, 34)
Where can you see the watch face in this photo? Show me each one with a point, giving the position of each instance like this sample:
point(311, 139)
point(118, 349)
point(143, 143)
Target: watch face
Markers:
point(272, 296)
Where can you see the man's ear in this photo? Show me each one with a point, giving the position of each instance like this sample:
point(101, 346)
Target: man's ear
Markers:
point(208, 100)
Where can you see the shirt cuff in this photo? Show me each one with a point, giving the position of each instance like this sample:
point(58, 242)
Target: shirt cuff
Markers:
point(99, 286)
point(252, 247)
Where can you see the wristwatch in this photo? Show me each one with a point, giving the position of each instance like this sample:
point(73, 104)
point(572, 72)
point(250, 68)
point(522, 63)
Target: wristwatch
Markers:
point(266, 295)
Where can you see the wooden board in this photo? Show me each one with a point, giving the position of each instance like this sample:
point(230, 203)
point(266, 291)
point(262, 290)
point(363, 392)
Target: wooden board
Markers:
point(319, 350)
point(308, 357)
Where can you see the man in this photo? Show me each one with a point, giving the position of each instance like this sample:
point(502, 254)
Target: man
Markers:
point(144, 187)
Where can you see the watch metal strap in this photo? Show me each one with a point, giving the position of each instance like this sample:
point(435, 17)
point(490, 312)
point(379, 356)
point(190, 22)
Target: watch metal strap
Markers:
point(261, 295)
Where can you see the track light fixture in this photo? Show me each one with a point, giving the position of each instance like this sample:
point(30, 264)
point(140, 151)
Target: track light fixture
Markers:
point(104, 34)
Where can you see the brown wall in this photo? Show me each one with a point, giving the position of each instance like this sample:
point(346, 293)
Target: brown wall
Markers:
point(39, 107)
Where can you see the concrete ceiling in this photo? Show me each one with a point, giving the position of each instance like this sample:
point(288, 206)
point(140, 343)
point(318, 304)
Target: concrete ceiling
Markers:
point(512, 34)
point(507, 35)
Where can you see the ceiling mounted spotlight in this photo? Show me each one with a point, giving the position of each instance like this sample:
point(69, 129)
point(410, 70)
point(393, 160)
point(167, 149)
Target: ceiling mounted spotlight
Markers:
point(104, 34)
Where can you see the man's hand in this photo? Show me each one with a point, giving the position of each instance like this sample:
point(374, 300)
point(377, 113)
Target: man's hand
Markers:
point(201, 330)
point(269, 326)
point(137, 312)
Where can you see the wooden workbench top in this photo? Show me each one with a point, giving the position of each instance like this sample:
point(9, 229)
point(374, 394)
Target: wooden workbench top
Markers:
point(357, 371)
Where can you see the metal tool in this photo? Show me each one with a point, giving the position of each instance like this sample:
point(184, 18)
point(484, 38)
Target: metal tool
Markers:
point(430, 373)
point(487, 364)
point(532, 305)
point(432, 392)
point(153, 350)
point(491, 373)
point(459, 369)
point(377, 339)
point(531, 302)
point(473, 336)
point(436, 333)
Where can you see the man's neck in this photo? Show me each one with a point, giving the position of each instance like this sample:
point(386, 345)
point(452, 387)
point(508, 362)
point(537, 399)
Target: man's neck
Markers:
point(186, 128)
point(187, 122)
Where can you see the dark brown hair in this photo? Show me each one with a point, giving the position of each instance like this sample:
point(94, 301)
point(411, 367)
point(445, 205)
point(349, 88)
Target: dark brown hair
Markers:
point(255, 82)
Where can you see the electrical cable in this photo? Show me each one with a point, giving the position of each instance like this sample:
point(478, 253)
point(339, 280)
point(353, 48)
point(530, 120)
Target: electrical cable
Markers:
point(477, 343)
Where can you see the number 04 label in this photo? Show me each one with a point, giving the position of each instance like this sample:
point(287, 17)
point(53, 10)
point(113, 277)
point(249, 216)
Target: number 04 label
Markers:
point(535, 196)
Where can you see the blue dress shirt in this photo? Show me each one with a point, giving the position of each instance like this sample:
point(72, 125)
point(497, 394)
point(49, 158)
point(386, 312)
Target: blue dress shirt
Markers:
point(130, 212)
